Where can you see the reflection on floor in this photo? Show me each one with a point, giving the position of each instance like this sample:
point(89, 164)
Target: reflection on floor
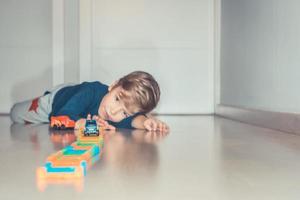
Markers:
point(203, 157)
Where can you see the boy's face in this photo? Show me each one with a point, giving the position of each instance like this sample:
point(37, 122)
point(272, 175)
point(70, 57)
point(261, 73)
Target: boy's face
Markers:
point(112, 107)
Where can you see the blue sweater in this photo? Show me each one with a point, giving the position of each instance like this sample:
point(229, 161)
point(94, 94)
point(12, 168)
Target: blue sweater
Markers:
point(78, 101)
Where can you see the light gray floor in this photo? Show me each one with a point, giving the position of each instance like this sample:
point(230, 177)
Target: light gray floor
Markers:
point(203, 157)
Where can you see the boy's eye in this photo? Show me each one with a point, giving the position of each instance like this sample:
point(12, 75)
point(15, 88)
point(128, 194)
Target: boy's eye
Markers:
point(117, 98)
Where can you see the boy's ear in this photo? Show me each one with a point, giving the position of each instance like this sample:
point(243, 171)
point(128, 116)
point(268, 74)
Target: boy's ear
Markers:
point(112, 85)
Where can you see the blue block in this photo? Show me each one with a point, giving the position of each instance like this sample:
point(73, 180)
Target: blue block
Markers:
point(51, 169)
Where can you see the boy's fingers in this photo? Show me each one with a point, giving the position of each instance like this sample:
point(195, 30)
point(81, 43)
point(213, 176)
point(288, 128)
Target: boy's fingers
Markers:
point(89, 116)
point(154, 126)
point(99, 120)
point(102, 124)
point(166, 127)
point(148, 126)
point(111, 127)
point(161, 126)
point(108, 126)
point(105, 124)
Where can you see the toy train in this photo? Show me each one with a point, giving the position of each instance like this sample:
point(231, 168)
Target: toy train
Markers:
point(73, 161)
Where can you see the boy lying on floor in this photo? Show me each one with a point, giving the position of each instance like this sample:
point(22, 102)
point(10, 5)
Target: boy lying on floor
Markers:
point(124, 104)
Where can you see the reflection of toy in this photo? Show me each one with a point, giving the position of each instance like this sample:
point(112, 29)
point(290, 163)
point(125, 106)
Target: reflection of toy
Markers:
point(62, 138)
point(69, 163)
point(91, 128)
point(42, 183)
point(90, 139)
point(62, 122)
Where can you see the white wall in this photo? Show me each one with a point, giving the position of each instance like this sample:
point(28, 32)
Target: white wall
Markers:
point(260, 53)
point(171, 39)
point(25, 50)
point(104, 40)
point(71, 41)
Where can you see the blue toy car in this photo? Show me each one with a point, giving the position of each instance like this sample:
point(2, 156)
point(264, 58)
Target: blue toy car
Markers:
point(91, 128)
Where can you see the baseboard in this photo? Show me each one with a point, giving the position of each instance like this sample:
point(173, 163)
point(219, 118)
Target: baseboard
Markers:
point(286, 122)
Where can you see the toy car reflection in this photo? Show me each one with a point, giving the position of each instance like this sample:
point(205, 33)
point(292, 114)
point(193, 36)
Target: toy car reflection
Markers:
point(91, 128)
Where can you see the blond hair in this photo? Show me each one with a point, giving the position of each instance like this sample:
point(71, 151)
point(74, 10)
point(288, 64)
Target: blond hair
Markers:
point(143, 90)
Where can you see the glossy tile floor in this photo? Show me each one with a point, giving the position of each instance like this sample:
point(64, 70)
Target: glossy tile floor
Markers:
point(203, 157)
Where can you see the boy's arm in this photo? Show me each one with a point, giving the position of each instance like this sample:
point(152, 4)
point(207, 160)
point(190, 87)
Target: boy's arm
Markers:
point(141, 121)
point(149, 123)
point(138, 122)
point(76, 104)
point(80, 124)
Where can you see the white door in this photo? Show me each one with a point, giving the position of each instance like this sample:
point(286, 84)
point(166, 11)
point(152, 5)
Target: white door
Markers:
point(171, 39)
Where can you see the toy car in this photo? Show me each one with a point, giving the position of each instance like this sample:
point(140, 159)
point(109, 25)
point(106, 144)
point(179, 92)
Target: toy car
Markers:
point(62, 122)
point(91, 128)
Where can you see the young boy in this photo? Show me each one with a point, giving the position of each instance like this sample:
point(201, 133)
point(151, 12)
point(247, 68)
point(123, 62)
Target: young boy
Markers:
point(124, 104)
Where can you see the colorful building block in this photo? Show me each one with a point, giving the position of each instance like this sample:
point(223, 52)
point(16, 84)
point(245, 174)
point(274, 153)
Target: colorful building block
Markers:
point(72, 162)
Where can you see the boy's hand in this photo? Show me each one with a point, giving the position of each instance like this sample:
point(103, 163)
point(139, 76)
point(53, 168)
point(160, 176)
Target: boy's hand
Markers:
point(102, 123)
point(152, 124)
point(80, 124)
